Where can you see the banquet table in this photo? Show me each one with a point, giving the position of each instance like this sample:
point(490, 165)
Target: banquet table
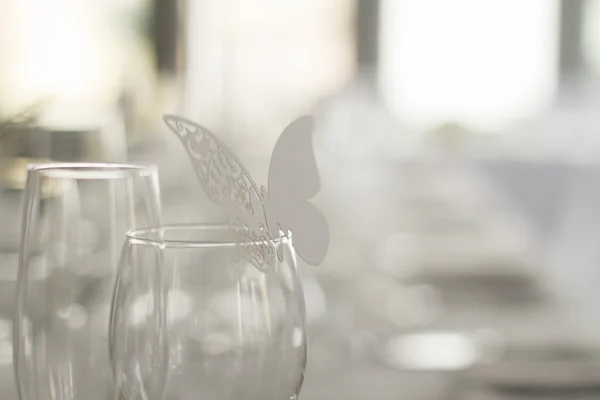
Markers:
point(352, 361)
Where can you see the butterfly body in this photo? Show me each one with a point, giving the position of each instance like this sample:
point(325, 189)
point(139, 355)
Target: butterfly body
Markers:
point(260, 216)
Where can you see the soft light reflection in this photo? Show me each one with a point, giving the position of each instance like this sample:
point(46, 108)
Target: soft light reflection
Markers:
point(431, 351)
point(401, 304)
point(5, 329)
point(62, 49)
point(225, 306)
point(216, 343)
point(396, 254)
point(260, 307)
point(179, 307)
point(591, 35)
point(297, 337)
point(6, 352)
point(6, 347)
point(412, 305)
point(315, 300)
point(74, 315)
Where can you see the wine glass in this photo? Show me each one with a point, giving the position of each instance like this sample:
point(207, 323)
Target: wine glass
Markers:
point(229, 330)
point(75, 220)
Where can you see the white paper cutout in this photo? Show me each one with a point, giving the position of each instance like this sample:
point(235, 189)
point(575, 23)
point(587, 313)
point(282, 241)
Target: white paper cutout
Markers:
point(260, 216)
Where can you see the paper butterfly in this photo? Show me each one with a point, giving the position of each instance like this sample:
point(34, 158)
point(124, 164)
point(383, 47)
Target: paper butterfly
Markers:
point(261, 216)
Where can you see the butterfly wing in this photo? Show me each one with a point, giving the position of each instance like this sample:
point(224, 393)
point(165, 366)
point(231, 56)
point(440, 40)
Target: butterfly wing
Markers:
point(226, 181)
point(222, 176)
point(293, 179)
point(310, 233)
point(293, 172)
point(253, 239)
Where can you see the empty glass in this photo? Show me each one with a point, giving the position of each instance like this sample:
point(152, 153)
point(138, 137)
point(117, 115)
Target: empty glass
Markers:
point(75, 220)
point(229, 331)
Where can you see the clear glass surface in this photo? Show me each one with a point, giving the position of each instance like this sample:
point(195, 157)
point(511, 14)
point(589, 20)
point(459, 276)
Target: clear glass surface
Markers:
point(75, 220)
point(225, 329)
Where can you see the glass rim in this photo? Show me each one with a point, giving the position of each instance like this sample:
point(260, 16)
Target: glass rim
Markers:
point(91, 170)
point(148, 236)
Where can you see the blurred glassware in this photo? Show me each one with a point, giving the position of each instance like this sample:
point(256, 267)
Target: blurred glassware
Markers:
point(56, 131)
point(12, 180)
point(37, 135)
point(74, 224)
point(232, 331)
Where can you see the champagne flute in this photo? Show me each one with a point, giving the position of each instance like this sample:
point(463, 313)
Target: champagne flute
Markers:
point(75, 219)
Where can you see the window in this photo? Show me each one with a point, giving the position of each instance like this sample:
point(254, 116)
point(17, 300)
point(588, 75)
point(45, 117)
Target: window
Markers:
point(255, 65)
point(480, 64)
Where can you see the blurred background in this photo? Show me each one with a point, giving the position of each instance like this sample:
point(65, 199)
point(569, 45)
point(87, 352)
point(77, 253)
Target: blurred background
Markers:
point(459, 150)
